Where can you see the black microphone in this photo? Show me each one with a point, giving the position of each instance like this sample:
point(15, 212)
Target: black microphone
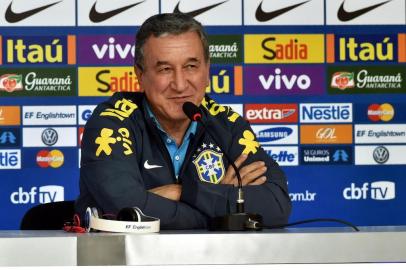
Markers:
point(233, 222)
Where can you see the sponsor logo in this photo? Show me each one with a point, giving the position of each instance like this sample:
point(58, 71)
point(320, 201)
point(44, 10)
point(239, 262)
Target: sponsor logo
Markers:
point(326, 155)
point(380, 133)
point(13, 17)
point(284, 155)
point(306, 196)
point(345, 16)
point(39, 49)
point(271, 113)
point(383, 112)
point(150, 166)
point(96, 16)
point(225, 49)
point(10, 137)
point(378, 190)
point(362, 48)
point(84, 113)
point(10, 159)
point(326, 134)
point(43, 194)
point(107, 81)
point(53, 158)
point(371, 79)
point(284, 48)
point(273, 134)
point(80, 135)
point(209, 165)
point(225, 79)
point(235, 108)
point(42, 82)
point(263, 16)
point(49, 115)
point(325, 112)
point(286, 80)
point(56, 137)
point(380, 155)
point(11, 82)
point(106, 50)
point(196, 12)
point(9, 115)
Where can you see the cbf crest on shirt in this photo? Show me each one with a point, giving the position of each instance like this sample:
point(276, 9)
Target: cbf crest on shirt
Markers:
point(208, 161)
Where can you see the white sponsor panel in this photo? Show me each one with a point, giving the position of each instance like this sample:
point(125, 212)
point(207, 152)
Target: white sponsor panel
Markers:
point(380, 155)
point(326, 112)
point(377, 190)
point(283, 12)
point(79, 156)
point(208, 12)
point(84, 113)
point(340, 12)
point(49, 115)
point(373, 134)
point(43, 194)
point(284, 155)
point(117, 12)
point(10, 159)
point(276, 134)
point(51, 136)
point(38, 13)
point(236, 107)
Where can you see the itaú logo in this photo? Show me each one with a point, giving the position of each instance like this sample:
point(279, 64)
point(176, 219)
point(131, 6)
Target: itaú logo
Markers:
point(326, 134)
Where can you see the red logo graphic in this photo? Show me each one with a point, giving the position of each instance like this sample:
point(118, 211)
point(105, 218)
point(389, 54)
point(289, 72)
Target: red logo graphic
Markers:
point(271, 113)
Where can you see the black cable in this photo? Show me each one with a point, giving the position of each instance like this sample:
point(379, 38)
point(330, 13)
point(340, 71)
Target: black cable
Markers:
point(310, 221)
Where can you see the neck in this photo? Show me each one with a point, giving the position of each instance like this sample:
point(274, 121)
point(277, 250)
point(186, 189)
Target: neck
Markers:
point(176, 130)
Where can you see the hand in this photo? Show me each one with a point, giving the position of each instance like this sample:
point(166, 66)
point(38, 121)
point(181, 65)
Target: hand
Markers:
point(251, 174)
point(171, 191)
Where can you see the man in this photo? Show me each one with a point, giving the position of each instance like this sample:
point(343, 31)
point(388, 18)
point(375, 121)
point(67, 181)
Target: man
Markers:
point(140, 149)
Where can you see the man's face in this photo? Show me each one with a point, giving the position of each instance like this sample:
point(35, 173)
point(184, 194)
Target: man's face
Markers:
point(174, 72)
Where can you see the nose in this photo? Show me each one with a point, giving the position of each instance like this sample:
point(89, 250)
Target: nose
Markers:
point(179, 82)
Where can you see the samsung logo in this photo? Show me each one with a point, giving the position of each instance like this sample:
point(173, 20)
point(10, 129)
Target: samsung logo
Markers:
point(273, 134)
point(326, 112)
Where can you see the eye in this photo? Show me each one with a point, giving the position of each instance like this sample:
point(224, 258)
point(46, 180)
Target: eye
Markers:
point(191, 66)
point(164, 69)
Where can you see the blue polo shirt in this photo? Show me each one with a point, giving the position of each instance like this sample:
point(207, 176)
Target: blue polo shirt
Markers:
point(176, 153)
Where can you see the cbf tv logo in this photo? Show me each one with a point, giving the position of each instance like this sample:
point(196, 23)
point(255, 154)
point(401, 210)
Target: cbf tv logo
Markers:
point(379, 190)
point(209, 165)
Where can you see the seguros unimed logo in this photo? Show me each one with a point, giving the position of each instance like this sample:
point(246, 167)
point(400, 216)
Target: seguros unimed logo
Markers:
point(379, 190)
point(43, 194)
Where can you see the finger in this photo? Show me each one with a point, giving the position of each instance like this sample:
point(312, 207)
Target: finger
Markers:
point(230, 174)
point(239, 161)
point(251, 167)
point(258, 181)
point(253, 175)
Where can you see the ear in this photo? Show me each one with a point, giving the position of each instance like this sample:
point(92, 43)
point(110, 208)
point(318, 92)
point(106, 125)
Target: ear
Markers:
point(208, 73)
point(138, 73)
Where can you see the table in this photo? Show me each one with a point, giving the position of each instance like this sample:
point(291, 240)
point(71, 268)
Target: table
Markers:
point(293, 245)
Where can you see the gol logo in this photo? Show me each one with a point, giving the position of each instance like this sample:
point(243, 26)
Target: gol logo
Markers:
point(326, 134)
point(53, 158)
point(383, 112)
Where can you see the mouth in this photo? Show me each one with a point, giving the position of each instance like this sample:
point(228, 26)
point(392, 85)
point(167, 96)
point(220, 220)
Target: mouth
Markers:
point(181, 99)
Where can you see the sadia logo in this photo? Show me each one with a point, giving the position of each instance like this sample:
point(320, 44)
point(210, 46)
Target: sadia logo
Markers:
point(271, 113)
point(342, 80)
point(325, 112)
point(53, 158)
point(40, 50)
point(11, 82)
point(10, 159)
point(383, 112)
point(44, 194)
point(379, 190)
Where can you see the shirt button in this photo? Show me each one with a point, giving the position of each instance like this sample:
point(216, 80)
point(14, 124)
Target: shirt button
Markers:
point(177, 158)
point(168, 140)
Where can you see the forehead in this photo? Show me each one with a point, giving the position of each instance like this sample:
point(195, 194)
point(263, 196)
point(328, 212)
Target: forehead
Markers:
point(175, 47)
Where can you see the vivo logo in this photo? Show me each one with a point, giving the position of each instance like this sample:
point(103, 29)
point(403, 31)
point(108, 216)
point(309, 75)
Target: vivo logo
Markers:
point(380, 190)
point(44, 194)
point(321, 113)
point(112, 50)
point(280, 81)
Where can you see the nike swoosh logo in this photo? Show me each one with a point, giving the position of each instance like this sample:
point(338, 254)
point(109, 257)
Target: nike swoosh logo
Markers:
point(97, 17)
point(150, 166)
point(346, 16)
point(196, 12)
point(263, 16)
point(13, 17)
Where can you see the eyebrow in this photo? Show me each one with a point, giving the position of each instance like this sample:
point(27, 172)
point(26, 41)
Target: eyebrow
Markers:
point(191, 59)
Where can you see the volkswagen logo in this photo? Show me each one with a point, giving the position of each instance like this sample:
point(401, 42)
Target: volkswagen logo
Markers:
point(381, 154)
point(49, 136)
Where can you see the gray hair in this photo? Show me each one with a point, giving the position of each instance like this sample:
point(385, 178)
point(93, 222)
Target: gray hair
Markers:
point(167, 23)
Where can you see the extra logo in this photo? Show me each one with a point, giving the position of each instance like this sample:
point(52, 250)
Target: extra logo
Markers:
point(379, 190)
point(43, 194)
point(326, 112)
point(209, 163)
point(11, 82)
point(271, 113)
point(53, 158)
point(10, 159)
point(383, 112)
point(10, 137)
